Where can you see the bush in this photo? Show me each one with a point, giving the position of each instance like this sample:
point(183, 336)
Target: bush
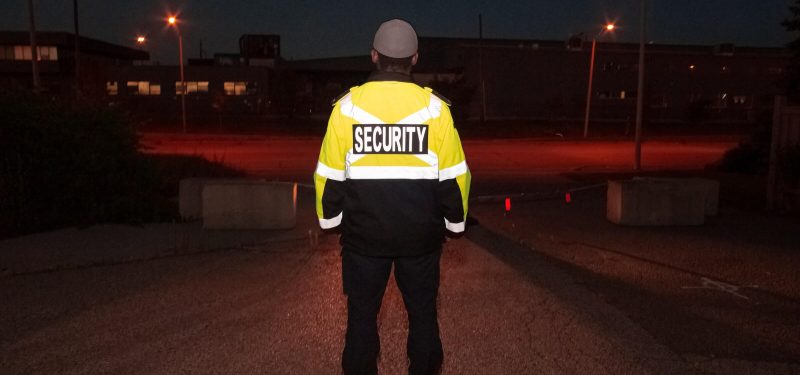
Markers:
point(751, 156)
point(173, 168)
point(789, 162)
point(66, 166)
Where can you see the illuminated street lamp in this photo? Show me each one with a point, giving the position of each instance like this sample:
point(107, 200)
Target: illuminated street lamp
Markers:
point(140, 40)
point(607, 29)
point(172, 21)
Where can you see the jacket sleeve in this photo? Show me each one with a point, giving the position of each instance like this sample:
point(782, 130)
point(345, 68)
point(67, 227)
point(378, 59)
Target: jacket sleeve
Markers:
point(329, 176)
point(454, 177)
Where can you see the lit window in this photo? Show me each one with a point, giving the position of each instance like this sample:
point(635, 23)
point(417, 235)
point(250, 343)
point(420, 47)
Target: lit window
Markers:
point(112, 88)
point(155, 89)
point(622, 94)
point(142, 88)
point(22, 53)
point(235, 88)
point(180, 89)
point(53, 53)
point(192, 87)
point(45, 53)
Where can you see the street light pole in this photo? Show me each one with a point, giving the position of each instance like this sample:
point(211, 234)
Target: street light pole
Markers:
point(609, 27)
point(589, 91)
point(34, 49)
point(173, 21)
point(183, 81)
point(640, 92)
point(77, 49)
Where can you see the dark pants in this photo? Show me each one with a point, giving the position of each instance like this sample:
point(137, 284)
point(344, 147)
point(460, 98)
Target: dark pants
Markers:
point(365, 281)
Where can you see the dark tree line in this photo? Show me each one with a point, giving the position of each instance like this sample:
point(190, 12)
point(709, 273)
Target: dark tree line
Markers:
point(791, 81)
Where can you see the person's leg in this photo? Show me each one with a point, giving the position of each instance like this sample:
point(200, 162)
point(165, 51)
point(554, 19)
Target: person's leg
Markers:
point(418, 280)
point(364, 279)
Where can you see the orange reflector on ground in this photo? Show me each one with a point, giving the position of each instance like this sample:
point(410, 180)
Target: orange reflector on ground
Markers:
point(508, 204)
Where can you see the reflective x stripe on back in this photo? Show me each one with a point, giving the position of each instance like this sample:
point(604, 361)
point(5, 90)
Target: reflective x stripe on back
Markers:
point(361, 116)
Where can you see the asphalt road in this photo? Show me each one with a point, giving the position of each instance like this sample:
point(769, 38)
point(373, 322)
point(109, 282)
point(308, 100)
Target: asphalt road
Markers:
point(279, 309)
point(553, 289)
point(296, 157)
point(725, 296)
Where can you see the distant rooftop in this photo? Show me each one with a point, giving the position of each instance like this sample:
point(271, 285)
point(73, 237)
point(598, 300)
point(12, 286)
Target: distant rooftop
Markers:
point(66, 41)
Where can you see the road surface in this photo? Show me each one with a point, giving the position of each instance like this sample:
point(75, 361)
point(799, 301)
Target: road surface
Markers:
point(279, 309)
point(296, 157)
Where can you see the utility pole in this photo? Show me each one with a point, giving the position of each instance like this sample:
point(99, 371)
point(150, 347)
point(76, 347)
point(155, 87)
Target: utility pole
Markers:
point(480, 68)
point(77, 49)
point(37, 86)
point(589, 90)
point(173, 21)
point(640, 89)
point(183, 81)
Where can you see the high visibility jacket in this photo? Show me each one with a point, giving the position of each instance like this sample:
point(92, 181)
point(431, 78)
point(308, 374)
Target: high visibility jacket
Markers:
point(391, 171)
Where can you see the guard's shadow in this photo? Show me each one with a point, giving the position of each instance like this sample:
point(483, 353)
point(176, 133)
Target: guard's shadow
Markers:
point(667, 317)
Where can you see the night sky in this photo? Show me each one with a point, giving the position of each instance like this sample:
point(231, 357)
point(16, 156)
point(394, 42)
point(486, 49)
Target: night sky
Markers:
point(312, 29)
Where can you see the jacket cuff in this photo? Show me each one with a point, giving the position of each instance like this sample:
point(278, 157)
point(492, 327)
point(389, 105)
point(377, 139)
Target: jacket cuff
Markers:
point(454, 227)
point(331, 223)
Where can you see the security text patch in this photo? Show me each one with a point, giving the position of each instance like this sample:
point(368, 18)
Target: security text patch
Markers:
point(390, 139)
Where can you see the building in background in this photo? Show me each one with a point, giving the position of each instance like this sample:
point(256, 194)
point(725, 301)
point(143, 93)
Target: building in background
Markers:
point(57, 61)
point(228, 90)
point(545, 80)
point(516, 80)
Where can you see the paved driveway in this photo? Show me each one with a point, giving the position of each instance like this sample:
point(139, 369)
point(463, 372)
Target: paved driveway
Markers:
point(279, 308)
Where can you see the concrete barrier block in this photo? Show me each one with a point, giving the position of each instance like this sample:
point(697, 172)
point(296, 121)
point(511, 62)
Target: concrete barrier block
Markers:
point(190, 198)
point(711, 189)
point(655, 202)
point(190, 195)
point(707, 187)
point(248, 204)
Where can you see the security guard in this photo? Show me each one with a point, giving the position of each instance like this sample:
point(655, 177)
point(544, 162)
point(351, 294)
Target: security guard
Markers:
point(393, 177)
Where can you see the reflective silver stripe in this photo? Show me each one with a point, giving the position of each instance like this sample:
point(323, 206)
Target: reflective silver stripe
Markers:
point(356, 113)
point(351, 158)
point(432, 111)
point(454, 171)
point(330, 223)
point(330, 173)
point(454, 227)
point(392, 172)
point(431, 158)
